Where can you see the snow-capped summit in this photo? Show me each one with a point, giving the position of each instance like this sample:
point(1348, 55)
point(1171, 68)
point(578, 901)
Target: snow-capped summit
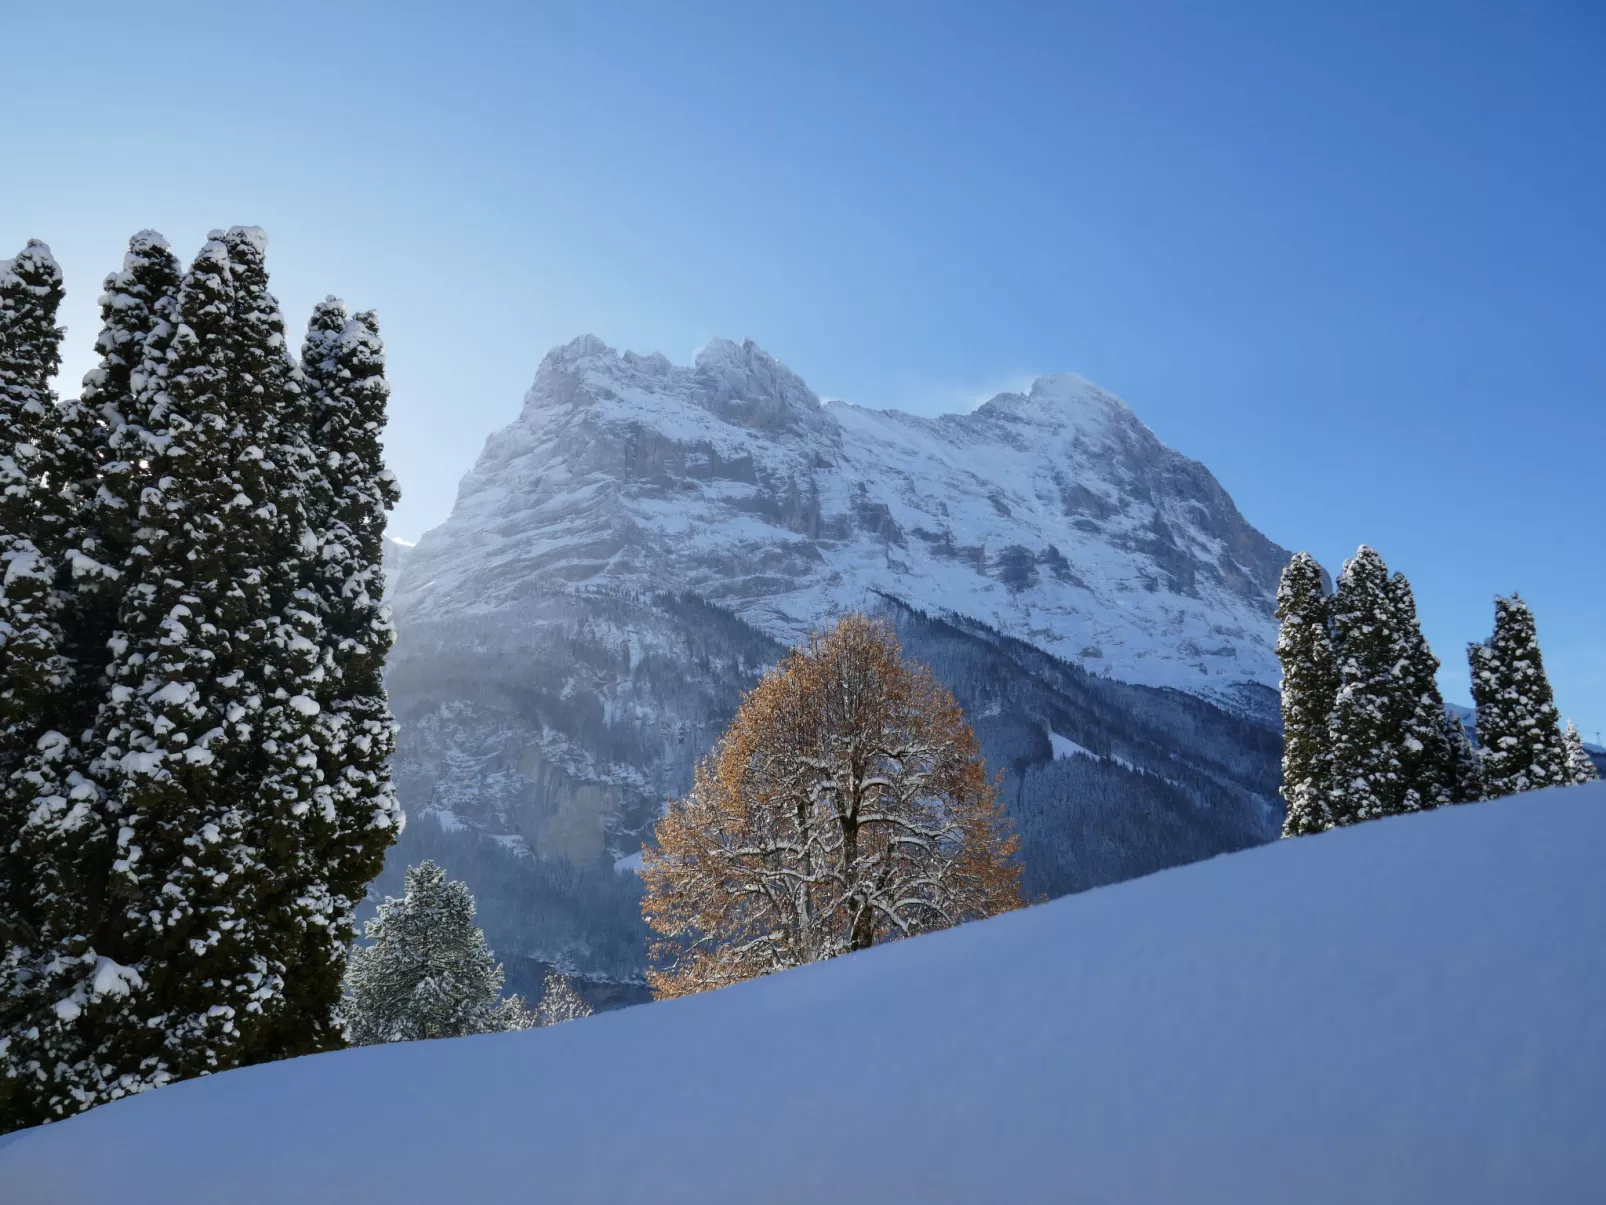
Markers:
point(1052, 515)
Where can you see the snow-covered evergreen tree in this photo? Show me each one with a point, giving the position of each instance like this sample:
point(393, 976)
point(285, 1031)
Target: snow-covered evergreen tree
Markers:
point(428, 972)
point(1519, 729)
point(279, 632)
point(1305, 648)
point(189, 874)
point(1580, 768)
point(179, 734)
point(37, 674)
point(559, 1001)
point(1373, 703)
point(349, 493)
point(1425, 755)
point(1465, 774)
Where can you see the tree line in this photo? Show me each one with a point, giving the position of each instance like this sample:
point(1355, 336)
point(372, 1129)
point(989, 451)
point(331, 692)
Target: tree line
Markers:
point(194, 740)
point(1365, 729)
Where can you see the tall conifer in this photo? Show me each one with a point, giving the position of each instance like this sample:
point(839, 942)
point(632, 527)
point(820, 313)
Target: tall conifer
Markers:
point(350, 491)
point(188, 975)
point(1519, 729)
point(1371, 706)
point(102, 463)
point(1305, 647)
point(188, 894)
point(36, 669)
point(279, 619)
point(1425, 755)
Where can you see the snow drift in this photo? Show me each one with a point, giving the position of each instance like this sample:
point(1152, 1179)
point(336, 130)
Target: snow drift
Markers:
point(1412, 1010)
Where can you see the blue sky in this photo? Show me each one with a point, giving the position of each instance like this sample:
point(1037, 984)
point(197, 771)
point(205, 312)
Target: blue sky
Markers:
point(1350, 256)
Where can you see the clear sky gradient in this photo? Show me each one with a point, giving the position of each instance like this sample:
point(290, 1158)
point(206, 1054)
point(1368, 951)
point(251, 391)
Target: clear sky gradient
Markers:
point(1351, 256)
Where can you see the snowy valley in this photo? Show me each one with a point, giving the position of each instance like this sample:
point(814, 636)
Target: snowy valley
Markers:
point(645, 539)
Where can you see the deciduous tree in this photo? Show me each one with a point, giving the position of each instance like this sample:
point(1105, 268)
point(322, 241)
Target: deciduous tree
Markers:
point(846, 805)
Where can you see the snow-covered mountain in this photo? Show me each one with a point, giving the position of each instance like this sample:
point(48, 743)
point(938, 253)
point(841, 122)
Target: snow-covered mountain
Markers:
point(644, 539)
point(1405, 1011)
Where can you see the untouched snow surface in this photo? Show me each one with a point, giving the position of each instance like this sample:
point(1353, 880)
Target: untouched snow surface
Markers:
point(1413, 1010)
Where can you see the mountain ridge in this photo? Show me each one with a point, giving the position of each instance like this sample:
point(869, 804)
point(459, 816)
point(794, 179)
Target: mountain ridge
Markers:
point(1047, 513)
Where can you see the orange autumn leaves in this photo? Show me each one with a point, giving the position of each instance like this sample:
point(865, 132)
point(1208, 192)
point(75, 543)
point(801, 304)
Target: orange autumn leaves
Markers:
point(846, 805)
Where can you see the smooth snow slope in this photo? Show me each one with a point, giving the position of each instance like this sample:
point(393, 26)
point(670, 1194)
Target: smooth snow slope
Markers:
point(1413, 1010)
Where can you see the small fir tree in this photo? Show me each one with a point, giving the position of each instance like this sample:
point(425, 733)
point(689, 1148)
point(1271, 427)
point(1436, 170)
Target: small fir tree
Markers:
point(1519, 729)
point(1580, 767)
point(559, 1001)
point(428, 972)
point(1305, 648)
point(1465, 774)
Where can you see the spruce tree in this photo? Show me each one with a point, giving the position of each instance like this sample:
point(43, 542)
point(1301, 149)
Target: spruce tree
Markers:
point(1519, 729)
point(1427, 776)
point(1305, 647)
point(428, 973)
point(1373, 703)
point(1580, 767)
point(559, 1001)
point(1465, 775)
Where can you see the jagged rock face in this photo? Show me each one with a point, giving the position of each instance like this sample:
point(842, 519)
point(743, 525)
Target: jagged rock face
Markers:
point(629, 554)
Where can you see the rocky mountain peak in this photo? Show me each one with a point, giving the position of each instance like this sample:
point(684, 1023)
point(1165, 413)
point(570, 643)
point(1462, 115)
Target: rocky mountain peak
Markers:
point(1053, 514)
